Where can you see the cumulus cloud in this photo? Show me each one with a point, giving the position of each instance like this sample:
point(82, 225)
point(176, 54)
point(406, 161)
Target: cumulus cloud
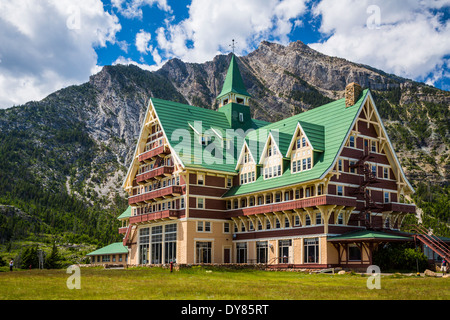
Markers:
point(133, 9)
point(129, 61)
point(408, 38)
point(40, 55)
point(142, 42)
point(212, 25)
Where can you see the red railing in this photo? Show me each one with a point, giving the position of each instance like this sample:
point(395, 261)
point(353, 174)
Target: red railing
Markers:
point(294, 204)
point(154, 173)
point(399, 207)
point(153, 153)
point(172, 214)
point(158, 193)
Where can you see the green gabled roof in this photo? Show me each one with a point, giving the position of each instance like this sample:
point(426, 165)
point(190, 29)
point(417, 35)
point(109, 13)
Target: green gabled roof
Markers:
point(176, 117)
point(113, 248)
point(315, 134)
point(337, 121)
point(233, 82)
point(125, 214)
point(368, 235)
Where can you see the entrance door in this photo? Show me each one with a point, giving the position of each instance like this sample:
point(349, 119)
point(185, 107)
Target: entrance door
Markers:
point(284, 251)
point(226, 255)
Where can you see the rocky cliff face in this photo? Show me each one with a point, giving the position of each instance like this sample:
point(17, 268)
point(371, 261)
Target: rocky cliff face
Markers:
point(81, 139)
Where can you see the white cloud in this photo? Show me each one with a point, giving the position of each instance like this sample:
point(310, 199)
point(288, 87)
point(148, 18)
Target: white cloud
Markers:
point(129, 61)
point(133, 9)
point(405, 37)
point(40, 54)
point(212, 25)
point(142, 42)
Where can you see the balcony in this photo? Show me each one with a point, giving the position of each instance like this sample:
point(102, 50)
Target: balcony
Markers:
point(155, 195)
point(152, 216)
point(155, 173)
point(153, 153)
point(294, 204)
point(399, 207)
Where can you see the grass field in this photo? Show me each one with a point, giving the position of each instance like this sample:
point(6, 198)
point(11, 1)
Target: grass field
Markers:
point(216, 284)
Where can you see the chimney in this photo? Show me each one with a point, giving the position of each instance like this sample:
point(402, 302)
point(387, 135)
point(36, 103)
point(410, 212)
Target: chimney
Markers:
point(352, 92)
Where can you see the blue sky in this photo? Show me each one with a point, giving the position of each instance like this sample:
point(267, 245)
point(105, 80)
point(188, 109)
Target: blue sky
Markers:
point(38, 55)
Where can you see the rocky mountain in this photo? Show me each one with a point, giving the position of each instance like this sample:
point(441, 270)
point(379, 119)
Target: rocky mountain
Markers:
point(66, 155)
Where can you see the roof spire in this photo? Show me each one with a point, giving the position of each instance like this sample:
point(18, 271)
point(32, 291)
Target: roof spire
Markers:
point(233, 86)
point(232, 45)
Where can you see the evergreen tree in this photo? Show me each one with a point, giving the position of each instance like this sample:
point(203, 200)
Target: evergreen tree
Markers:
point(53, 260)
point(30, 258)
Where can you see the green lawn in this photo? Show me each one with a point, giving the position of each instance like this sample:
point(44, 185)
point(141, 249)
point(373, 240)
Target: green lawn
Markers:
point(216, 284)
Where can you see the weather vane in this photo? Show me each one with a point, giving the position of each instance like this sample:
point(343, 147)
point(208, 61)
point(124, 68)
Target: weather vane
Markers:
point(233, 45)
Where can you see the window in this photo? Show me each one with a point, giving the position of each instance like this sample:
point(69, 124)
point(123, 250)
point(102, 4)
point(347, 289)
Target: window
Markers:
point(144, 238)
point(226, 227)
point(386, 173)
point(229, 182)
point(182, 203)
point(277, 224)
point(374, 170)
point(340, 190)
point(318, 218)
point(354, 253)
point(200, 203)
point(304, 164)
point(307, 220)
point(156, 244)
point(241, 252)
point(241, 117)
point(284, 248)
point(374, 146)
point(340, 219)
point(340, 165)
point(304, 143)
point(386, 197)
point(352, 142)
point(351, 167)
point(286, 222)
point(308, 163)
point(200, 179)
point(261, 251)
point(277, 197)
point(299, 141)
point(203, 252)
point(311, 250)
point(170, 243)
point(296, 221)
point(203, 226)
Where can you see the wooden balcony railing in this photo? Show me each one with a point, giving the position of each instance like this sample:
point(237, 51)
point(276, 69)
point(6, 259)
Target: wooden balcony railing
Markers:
point(156, 195)
point(399, 207)
point(151, 154)
point(157, 172)
point(164, 214)
point(294, 204)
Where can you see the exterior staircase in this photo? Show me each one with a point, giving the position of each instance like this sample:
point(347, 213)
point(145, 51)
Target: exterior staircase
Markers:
point(431, 241)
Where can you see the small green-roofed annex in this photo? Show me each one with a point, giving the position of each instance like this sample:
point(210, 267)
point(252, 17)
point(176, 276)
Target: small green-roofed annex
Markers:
point(113, 248)
point(369, 235)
